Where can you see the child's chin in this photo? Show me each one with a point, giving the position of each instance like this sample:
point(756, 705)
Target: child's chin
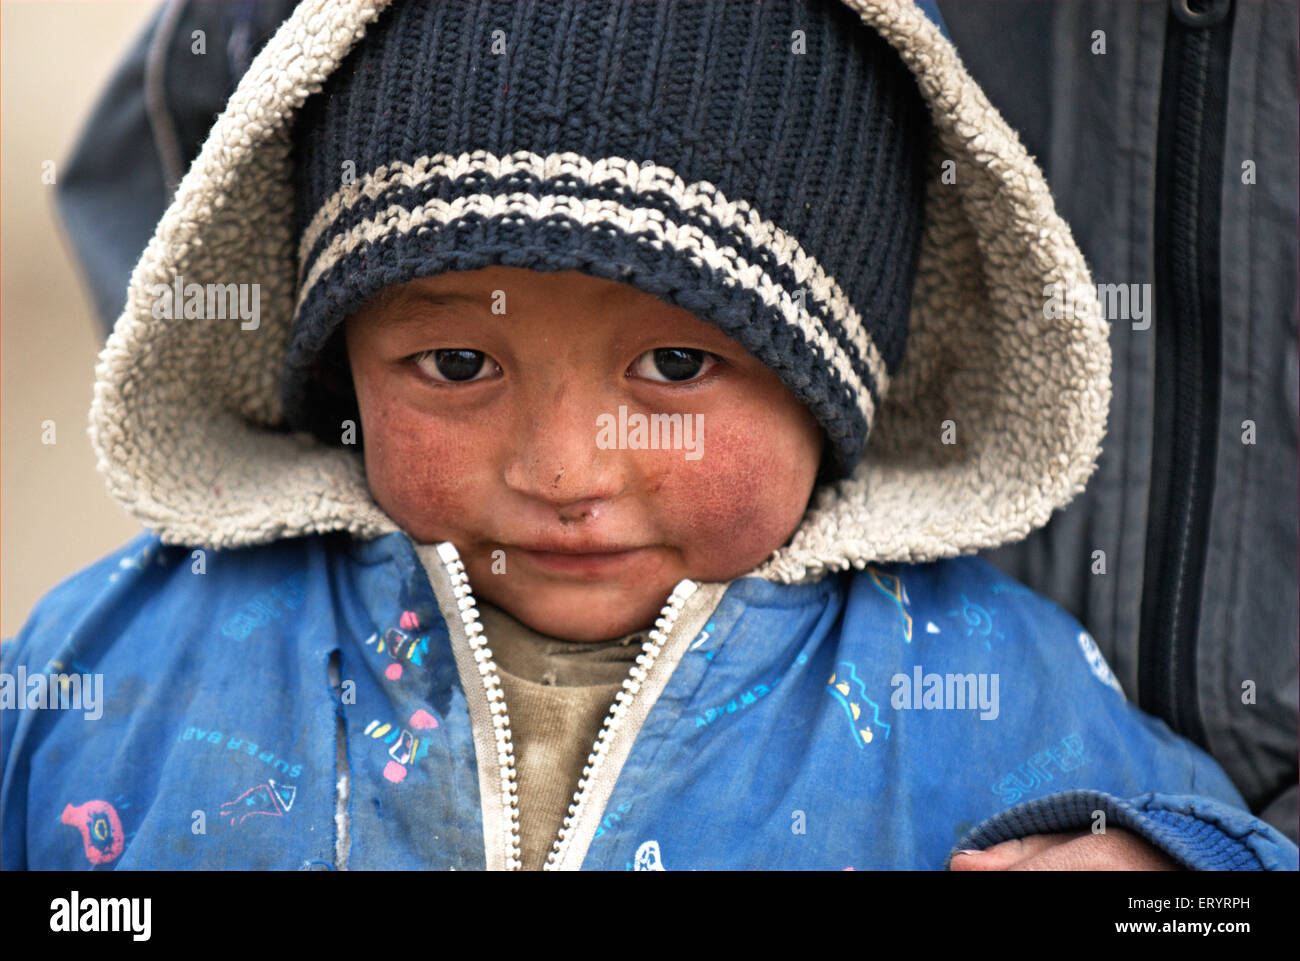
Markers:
point(585, 612)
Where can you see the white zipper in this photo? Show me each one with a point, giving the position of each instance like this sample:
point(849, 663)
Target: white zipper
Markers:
point(487, 669)
point(659, 636)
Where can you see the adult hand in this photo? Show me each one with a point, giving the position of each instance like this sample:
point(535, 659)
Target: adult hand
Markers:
point(1115, 850)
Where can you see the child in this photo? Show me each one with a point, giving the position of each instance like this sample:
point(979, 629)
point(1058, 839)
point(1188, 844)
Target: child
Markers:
point(548, 428)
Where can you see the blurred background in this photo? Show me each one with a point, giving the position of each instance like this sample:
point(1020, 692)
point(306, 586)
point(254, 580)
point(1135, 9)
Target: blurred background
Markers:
point(55, 512)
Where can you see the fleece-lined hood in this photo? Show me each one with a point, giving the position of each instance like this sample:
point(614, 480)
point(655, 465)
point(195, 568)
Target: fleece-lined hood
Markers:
point(993, 420)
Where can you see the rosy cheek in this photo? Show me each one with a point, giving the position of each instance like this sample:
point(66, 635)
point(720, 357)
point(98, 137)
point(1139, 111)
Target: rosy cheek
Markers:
point(421, 472)
point(736, 504)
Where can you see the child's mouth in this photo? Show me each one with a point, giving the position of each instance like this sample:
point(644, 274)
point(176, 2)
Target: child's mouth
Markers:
point(595, 563)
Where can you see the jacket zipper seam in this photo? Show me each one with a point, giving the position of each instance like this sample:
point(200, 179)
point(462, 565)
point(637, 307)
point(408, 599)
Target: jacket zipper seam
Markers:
point(507, 795)
point(612, 728)
point(650, 651)
point(1171, 614)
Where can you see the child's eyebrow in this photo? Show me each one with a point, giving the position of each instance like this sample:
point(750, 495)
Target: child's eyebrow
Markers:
point(404, 305)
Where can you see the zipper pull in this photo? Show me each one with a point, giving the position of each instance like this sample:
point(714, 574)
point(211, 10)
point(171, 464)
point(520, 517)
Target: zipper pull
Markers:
point(1209, 13)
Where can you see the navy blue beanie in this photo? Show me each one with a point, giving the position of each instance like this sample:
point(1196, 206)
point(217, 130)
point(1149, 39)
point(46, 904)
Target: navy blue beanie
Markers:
point(761, 165)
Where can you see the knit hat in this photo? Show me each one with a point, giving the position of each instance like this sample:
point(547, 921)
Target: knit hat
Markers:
point(757, 164)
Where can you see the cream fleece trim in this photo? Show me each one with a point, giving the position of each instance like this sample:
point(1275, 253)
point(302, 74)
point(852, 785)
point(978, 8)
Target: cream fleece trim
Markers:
point(185, 411)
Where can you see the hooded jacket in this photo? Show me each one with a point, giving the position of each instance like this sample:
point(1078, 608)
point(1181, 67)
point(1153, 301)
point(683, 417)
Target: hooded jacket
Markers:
point(288, 681)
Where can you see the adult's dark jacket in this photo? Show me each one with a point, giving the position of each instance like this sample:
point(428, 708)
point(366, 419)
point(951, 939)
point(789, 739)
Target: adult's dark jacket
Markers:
point(1173, 156)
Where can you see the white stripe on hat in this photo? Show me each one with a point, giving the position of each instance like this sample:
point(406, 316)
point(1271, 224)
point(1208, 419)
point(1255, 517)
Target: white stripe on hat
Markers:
point(639, 178)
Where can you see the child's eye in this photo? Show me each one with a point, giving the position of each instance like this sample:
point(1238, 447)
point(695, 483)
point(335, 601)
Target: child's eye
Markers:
point(456, 365)
point(673, 364)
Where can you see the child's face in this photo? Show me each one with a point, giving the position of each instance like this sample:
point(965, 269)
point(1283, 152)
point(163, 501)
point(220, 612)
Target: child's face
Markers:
point(496, 443)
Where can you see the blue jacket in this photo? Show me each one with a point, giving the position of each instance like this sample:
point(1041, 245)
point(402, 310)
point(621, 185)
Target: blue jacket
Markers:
point(115, 185)
point(873, 719)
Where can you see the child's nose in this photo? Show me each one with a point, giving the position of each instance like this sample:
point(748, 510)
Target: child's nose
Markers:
point(555, 457)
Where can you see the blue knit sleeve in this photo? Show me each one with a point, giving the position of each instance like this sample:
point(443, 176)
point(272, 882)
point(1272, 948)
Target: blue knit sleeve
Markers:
point(1200, 833)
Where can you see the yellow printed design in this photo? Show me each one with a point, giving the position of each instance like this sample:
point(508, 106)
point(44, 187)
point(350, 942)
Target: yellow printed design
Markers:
point(406, 749)
point(841, 688)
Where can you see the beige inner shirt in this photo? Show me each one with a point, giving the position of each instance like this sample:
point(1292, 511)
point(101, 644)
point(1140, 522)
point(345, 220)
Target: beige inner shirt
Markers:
point(558, 694)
